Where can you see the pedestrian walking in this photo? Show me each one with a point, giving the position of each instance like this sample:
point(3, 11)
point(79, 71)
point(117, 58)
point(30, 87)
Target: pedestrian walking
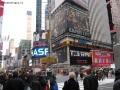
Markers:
point(53, 83)
point(90, 82)
point(76, 74)
point(71, 84)
point(15, 83)
point(30, 77)
point(117, 80)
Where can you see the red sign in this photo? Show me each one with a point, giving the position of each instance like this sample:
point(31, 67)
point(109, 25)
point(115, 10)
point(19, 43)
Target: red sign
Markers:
point(102, 58)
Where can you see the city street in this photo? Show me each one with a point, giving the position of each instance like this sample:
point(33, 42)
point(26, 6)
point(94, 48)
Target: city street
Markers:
point(106, 84)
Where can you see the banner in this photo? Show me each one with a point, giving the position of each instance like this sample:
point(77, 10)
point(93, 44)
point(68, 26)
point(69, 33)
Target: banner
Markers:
point(1, 15)
point(80, 56)
point(39, 38)
point(102, 58)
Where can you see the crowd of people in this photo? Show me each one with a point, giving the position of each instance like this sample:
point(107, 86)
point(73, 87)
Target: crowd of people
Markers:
point(22, 80)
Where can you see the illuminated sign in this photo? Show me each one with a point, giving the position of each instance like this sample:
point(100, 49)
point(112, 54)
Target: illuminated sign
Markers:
point(30, 62)
point(80, 56)
point(40, 51)
point(79, 53)
point(81, 45)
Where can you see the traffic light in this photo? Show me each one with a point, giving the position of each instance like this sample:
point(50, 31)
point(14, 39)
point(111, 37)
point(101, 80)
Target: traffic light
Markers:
point(44, 60)
point(52, 60)
point(47, 36)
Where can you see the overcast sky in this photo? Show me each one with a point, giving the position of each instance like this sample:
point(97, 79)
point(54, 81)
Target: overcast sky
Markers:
point(14, 19)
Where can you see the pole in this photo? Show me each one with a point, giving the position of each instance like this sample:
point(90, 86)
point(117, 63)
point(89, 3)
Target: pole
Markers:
point(50, 44)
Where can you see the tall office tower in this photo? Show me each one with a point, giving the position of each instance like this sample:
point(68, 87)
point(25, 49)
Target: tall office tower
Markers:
point(29, 26)
point(46, 14)
point(99, 22)
point(40, 14)
point(115, 10)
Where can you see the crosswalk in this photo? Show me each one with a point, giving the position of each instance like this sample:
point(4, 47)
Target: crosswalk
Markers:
point(60, 85)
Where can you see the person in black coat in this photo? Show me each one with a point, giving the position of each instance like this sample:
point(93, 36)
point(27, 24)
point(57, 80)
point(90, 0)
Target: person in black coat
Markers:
point(15, 83)
point(30, 77)
point(117, 80)
point(71, 84)
point(90, 82)
point(52, 81)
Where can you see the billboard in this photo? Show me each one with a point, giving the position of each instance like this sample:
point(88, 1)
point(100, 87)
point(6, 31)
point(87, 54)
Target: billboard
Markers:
point(55, 4)
point(1, 15)
point(0, 56)
point(39, 52)
point(62, 54)
point(77, 21)
point(39, 38)
point(72, 20)
point(80, 56)
point(102, 58)
point(59, 23)
point(82, 3)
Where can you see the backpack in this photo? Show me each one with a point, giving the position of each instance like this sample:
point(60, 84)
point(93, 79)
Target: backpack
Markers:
point(55, 87)
point(36, 84)
point(43, 82)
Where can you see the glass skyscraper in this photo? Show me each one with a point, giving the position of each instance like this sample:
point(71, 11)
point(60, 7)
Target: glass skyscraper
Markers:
point(40, 14)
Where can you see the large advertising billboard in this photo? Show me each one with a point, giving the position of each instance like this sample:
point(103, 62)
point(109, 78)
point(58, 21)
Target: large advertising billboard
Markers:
point(39, 52)
point(72, 20)
point(82, 3)
point(62, 54)
point(59, 23)
point(80, 56)
point(55, 4)
point(1, 15)
point(39, 38)
point(77, 21)
point(102, 58)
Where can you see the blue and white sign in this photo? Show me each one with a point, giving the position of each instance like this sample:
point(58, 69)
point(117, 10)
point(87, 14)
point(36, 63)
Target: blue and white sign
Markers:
point(40, 52)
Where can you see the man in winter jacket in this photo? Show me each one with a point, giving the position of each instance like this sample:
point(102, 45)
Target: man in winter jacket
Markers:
point(90, 82)
point(117, 80)
point(15, 83)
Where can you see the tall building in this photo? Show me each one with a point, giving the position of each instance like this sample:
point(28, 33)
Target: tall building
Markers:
point(29, 26)
point(24, 46)
point(99, 22)
point(115, 10)
point(40, 14)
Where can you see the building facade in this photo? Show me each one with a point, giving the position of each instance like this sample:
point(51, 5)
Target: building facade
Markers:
point(77, 30)
point(115, 10)
point(40, 14)
point(29, 26)
point(99, 22)
point(24, 46)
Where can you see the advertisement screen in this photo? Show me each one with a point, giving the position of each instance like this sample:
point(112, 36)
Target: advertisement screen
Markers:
point(77, 21)
point(39, 52)
point(0, 56)
point(102, 58)
point(55, 4)
point(59, 23)
point(82, 3)
point(39, 38)
point(1, 15)
point(62, 55)
point(72, 20)
point(80, 56)
point(30, 62)
point(52, 4)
